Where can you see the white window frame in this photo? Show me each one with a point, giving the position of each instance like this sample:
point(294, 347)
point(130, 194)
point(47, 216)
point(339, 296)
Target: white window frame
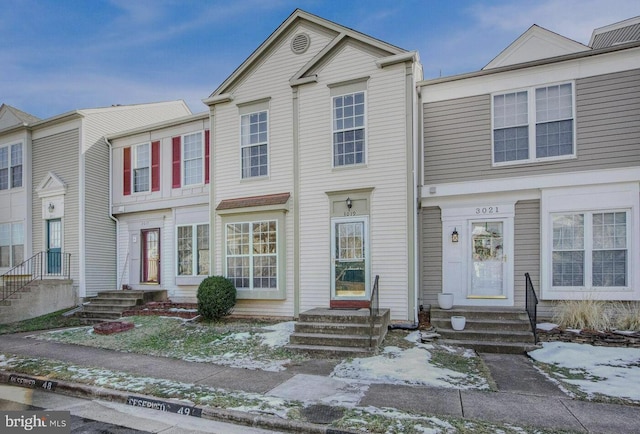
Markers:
point(9, 227)
point(335, 130)
point(531, 125)
point(195, 251)
point(10, 168)
point(247, 144)
point(134, 167)
point(184, 160)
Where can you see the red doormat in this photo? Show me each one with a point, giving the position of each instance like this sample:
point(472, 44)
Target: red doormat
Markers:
point(108, 328)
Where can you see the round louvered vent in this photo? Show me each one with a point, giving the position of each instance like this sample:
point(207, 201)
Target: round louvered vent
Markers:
point(300, 43)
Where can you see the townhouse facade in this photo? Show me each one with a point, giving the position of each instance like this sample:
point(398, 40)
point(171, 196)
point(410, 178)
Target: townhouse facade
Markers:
point(532, 165)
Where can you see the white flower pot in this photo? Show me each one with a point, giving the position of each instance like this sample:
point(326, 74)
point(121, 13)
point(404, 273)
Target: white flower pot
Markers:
point(445, 300)
point(458, 322)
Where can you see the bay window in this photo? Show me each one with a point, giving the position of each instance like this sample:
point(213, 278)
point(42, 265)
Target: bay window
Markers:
point(252, 254)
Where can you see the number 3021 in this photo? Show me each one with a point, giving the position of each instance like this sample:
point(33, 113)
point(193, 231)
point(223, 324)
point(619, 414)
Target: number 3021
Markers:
point(487, 210)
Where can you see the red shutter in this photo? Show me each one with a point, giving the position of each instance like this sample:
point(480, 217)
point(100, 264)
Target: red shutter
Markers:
point(206, 156)
point(126, 172)
point(176, 162)
point(155, 166)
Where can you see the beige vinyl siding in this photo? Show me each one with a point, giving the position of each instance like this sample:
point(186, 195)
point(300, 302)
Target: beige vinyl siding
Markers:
point(526, 248)
point(457, 133)
point(58, 153)
point(385, 172)
point(431, 255)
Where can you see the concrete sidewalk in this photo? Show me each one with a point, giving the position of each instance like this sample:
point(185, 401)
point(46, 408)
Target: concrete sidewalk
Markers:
point(525, 397)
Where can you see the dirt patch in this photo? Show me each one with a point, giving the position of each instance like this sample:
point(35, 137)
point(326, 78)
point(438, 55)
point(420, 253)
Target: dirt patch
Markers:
point(165, 308)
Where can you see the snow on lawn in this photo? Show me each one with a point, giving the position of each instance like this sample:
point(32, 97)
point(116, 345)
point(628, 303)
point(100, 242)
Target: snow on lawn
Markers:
point(611, 371)
point(409, 366)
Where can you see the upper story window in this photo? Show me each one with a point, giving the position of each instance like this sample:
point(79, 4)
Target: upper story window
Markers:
point(193, 159)
point(141, 168)
point(349, 129)
point(11, 166)
point(254, 144)
point(533, 124)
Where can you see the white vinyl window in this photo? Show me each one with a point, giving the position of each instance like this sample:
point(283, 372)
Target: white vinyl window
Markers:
point(11, 244)
point(193, 158)
point(252, 254)
point(349, 129)
point(11, 166)
point(590, 249)
point(141, 168)
point(254, 144)
point(193, 250)
point(533, 124)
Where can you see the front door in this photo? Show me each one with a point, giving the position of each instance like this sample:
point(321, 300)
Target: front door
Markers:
point(488, 269)
point(150, 255)
point(350, 259)
point(54, 246)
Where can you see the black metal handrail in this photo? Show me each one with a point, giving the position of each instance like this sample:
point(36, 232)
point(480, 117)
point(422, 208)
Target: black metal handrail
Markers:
point(37, 267)
point(374, 309)
point(531, 305)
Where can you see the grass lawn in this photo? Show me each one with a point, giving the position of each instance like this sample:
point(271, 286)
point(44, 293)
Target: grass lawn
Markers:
point(50, 321)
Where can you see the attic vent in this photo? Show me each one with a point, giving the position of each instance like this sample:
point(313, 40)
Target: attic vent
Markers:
point(300, 43)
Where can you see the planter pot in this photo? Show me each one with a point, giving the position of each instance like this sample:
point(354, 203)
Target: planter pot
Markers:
point(458, 322)
point(445, 300)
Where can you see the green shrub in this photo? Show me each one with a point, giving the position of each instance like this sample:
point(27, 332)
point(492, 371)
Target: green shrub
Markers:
point(216, 297)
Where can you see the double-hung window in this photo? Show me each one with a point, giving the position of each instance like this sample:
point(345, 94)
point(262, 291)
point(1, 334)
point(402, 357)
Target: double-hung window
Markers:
point(252, 254)
point(533, 124)
point(142, 168)
point(254, 144)
point(193, 250)
point(11, 244)
point(11, 166)
point(193, 159)
point(590, 249)
point(349, 129)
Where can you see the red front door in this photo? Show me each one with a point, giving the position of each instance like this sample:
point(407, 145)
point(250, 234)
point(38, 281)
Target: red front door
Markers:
point(151, 256)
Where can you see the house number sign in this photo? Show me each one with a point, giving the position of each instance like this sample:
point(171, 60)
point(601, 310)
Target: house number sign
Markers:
point(487, 210)
point(350, 213)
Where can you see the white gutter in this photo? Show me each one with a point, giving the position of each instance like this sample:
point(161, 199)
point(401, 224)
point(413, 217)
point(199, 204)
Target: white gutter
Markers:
point(111, 216)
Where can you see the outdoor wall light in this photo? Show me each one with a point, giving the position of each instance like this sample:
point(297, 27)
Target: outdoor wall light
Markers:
point(454, 235)
point(51, 207)
point(349, 203)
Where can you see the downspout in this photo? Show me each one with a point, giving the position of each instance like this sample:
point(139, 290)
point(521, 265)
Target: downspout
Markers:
point(111, 216)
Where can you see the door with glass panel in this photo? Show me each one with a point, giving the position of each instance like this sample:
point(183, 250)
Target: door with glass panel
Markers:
point(150, 255)
point(54, 246)
point(350, 258)
point(488, 260)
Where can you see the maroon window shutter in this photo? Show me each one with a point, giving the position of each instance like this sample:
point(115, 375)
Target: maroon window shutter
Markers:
point(126, 172)
point(176, 162)
point(206, 156)
point(155, 166)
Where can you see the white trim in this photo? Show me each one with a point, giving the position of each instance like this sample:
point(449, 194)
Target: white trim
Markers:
point(258, 109)
point(194, 250)
point(134, 152)
point(82, 248)
point(365, 127)
point(183, 172)
point(367, 256)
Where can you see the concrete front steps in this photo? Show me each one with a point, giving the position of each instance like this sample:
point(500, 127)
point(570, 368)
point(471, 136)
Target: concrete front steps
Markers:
point(487, 329)
point(109, 305)
point(338, 333)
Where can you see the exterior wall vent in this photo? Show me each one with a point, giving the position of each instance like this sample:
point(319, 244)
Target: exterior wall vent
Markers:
point(300, 43)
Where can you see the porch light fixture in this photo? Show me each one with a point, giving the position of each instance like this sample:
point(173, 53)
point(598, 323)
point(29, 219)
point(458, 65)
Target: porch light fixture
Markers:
point(51, 206)
point(349, 203)
point(454, 235)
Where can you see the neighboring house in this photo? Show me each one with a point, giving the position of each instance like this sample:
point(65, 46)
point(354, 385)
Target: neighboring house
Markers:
point(314, 143)
point(68, 201)
point(15, 187)
point(532, 165)
point(160, 198)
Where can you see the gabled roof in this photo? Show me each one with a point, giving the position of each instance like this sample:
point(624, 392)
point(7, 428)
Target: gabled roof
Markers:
point(11, 116)
point(338, 32)
point(534, 44)
point(616, 33)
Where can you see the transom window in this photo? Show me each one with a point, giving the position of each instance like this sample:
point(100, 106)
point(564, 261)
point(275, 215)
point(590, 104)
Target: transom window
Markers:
point(193, 250)
point(252, 256)
point(349, 129)
point(533, 124)
point(11, 244)
point(11, 166)
point(254, 144)
point(193, 159)
point(590, 249)
point(141, 168)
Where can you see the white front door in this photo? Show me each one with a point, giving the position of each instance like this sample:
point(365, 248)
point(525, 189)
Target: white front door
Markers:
point(487, 262)
point(350, 258)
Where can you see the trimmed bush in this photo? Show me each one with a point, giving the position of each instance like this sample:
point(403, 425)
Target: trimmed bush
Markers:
point(216, 297)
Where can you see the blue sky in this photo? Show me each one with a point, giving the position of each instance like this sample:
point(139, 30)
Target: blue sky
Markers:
point(58, 56)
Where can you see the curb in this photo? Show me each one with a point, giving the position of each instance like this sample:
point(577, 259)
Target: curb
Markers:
point(218, 414)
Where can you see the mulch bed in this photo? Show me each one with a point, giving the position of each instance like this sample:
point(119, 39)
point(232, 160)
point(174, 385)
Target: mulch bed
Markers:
point(593, 337)
point(165, 308)
point(111, 327)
